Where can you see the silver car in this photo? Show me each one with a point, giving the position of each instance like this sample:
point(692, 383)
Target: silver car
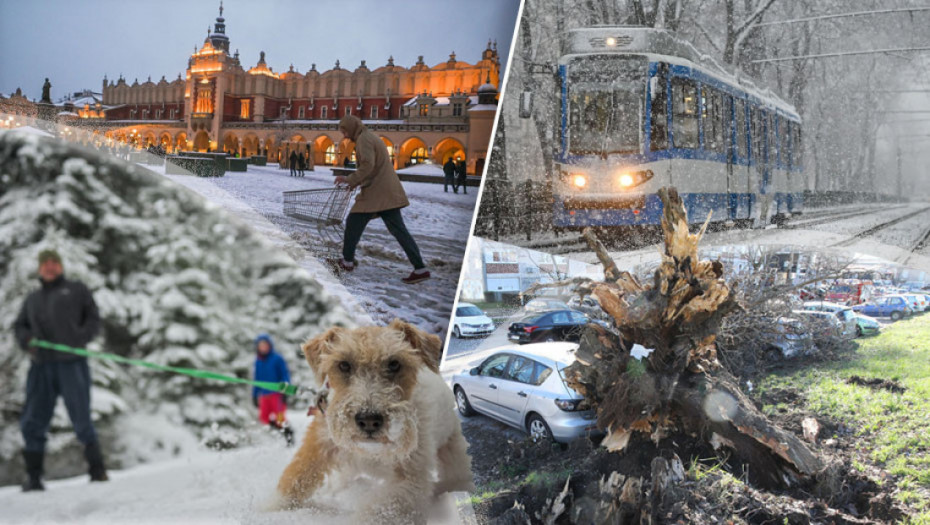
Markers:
point(523, 387)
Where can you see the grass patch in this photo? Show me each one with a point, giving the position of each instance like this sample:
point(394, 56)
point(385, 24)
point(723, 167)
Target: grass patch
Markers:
point(532, 478)
point(894, 428)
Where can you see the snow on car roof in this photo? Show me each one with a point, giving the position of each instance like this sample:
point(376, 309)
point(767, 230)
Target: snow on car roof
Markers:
point(558, 352)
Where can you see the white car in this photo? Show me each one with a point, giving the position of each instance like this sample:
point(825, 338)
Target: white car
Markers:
point(523, 386)
point(470, 321)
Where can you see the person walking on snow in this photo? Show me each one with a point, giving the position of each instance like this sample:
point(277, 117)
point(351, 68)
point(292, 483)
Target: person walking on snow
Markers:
point(382, 195)
point(61, 311)
point(448, 169)
point(292, 163)
point(460, 175)
point(271, 367)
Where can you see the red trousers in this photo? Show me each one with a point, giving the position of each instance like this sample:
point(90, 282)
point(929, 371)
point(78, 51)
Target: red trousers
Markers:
point(271, 407)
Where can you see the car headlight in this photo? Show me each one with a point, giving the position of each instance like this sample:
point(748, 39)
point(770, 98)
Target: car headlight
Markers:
point(579, 180)
point(626, 180)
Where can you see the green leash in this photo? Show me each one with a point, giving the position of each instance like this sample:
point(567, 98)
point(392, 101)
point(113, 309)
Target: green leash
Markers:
point(283, 388)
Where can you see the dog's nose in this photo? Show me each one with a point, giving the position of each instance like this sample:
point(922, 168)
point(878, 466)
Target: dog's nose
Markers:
point(369, 422)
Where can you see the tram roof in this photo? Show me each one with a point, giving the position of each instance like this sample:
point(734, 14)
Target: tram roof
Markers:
point(663, 45)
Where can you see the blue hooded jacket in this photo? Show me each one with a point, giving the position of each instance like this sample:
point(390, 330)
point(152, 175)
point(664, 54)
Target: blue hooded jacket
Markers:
point(270, 367)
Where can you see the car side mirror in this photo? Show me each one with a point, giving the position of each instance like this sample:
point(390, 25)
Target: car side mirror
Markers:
point(473, 371)
point(526, 104)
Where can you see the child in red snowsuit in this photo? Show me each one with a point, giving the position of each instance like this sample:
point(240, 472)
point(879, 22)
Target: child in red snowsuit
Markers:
point(271, 367)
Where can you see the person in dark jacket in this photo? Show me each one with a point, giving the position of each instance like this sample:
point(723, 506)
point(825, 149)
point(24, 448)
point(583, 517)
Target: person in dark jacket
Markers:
point(301, 165)
point(448, 170)
point(271, 367)
point(61, 311)
point(292, 163)
point(460, 175)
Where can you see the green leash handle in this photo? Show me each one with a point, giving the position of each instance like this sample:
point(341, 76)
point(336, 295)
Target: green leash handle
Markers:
point(283, 388)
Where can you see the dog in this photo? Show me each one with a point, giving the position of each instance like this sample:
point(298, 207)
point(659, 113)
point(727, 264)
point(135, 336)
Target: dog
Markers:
point(388, 416)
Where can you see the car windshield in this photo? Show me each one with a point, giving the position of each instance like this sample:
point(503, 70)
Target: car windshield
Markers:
point(468, 311)
point(605, 97)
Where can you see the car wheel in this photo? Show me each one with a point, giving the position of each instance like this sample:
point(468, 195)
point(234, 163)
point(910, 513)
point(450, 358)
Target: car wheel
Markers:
point(858, 331)
point(538, 430)
point(457, 333)
point(461, 401)
point(895, 316)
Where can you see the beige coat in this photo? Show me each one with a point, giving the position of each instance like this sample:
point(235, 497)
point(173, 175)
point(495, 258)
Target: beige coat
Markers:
point(380, 186)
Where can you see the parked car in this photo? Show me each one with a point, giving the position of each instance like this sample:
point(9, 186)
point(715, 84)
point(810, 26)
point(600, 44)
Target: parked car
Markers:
point(544, 305)
point(823, 326)
point(560, 325)
point(893, 306)
point(917, 302)
point(790, 337)
point(866, 325)
point(845, 314)
point(588, 306)
point(524, 387)
point(926, 299)
point(470, 321)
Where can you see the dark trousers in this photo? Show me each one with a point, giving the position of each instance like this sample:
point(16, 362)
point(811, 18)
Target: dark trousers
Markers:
point(47, 381)
point(461, 184)
point(449, 181)
point(355, 226)
point(293, 169)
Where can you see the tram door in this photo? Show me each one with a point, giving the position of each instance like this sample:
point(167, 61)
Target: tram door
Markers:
point(738, 177)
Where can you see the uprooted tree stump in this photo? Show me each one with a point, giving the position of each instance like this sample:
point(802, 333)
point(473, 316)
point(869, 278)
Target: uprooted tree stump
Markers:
point(680, 387)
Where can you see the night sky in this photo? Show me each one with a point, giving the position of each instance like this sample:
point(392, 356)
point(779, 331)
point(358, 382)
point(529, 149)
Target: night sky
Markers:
point(76, 43)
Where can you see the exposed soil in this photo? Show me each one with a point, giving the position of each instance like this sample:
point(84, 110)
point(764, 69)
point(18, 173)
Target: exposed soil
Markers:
point(876, 383)
point(524, 482)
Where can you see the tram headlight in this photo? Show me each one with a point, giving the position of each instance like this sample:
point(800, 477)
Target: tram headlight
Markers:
point(611, 41)
point(579, 180)
point(626, 180)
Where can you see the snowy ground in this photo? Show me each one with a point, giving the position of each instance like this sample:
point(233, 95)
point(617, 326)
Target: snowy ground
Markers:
point(439, 221)
point(202, 486)
point(892, 244)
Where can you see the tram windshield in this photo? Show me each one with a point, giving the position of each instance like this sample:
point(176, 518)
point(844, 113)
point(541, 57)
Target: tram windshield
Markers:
point(605, 97)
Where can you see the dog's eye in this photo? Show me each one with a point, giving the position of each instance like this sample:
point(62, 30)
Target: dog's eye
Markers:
point(345, 367)
point(393, 366)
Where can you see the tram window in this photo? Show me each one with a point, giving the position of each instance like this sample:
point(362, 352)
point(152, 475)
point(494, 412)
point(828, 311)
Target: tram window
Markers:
point(606, 108)
point(770, 143)
point(758, 155)
point(712, 114)
point(787, 131)
point(684, 113)
point(782, 129)
point(742, 147)
point(658, 140)
point(798, 145)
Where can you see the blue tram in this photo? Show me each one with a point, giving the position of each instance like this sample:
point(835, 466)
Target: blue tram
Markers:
point(641, 109)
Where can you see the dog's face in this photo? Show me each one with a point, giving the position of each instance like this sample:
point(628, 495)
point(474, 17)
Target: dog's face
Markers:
point(372, 372)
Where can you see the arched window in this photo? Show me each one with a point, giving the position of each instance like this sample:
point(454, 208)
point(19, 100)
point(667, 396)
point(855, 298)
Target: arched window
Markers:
point(329, 157)
point(419, 156)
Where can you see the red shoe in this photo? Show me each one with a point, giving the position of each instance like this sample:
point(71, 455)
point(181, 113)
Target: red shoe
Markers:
point(416, 276)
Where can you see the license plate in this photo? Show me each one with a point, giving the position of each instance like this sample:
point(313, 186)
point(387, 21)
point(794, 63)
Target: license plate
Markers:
point(513, 336)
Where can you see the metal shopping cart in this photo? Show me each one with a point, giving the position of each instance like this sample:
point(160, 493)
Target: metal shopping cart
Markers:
point(326, 208)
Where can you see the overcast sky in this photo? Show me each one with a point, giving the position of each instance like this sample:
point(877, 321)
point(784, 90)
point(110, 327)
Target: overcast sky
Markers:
point(76, 43)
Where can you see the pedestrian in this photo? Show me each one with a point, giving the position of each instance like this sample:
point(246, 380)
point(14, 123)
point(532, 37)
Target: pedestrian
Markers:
point(345, 162)
point(381, 195)
point(61, 311)
point(272, 406)
point(301, 164)
point(448, 169)
point(461, 176)
point(292, 163)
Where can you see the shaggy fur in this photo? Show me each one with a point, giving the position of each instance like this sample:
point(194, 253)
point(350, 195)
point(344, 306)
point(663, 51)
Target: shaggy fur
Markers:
point(389, 416)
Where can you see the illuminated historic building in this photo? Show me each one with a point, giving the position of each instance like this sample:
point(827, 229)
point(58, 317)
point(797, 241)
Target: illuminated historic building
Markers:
point(422, 113)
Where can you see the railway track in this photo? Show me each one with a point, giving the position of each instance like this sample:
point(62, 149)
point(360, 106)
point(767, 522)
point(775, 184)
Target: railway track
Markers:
point(877, 228)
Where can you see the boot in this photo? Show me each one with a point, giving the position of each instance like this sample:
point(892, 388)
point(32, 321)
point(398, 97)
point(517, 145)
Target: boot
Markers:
point(95, 462)
point(33, 470)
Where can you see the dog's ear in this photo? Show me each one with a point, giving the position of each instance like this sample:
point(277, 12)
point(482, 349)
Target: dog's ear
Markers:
point(428, 346)
point(315, 347)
